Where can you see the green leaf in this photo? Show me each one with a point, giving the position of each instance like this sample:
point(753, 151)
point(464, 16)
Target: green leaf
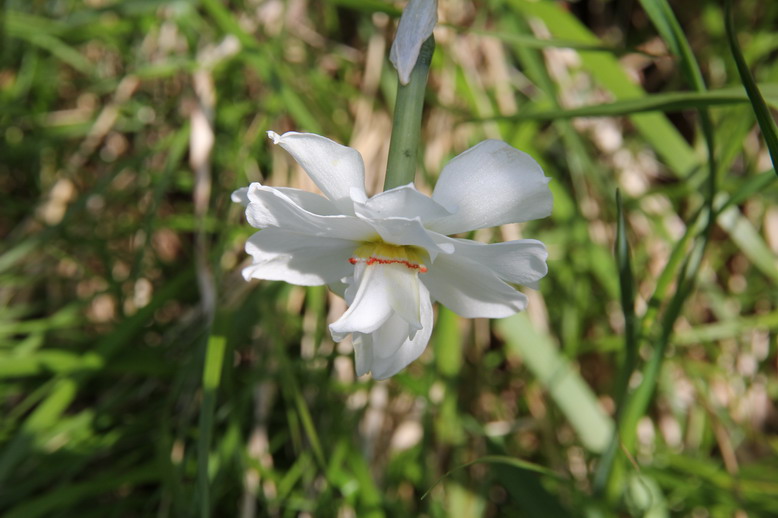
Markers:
point(627, 285)
point(608, 71)
point(672, 33)
point(565, 385)
point(763, 115)
point(499, 459)
point(212, 368)
point(533, 42)
point(753, 246)
point(52, 502)
point(447, 343)
point(24, 27)
point(667, 102)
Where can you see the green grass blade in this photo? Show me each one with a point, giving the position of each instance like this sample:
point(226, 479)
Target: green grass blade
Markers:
point(627, 299)
point(753, 246)
point(607, 70)
point(664, 20)
point(68, 494)
point(24, 28)
point(369, 6)
point(747, 189)
point(565, 385)
point(447, 343)
point(627, 285)
point(533, 42)
point(227, 22)
point(763, 115)
point(727, 329)
point(665, 102)
point(643, 394)
point(212, 369)
point(499, 459)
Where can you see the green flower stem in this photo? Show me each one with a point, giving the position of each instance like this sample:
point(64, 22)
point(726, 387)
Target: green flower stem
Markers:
point(406, 127)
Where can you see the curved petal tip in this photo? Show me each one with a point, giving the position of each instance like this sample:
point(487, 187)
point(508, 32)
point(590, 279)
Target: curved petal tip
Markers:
point(275, 137)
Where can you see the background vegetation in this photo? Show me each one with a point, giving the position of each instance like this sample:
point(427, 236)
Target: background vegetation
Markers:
point(141, 376)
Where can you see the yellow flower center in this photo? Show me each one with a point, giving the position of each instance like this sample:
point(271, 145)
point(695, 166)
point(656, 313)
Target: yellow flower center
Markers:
point(383, 253)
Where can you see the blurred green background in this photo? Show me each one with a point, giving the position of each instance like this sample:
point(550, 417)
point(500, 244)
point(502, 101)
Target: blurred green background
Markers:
point(140, 375)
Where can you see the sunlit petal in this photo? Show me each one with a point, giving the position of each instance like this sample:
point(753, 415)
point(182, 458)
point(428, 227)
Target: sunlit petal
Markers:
point(470, 288)
point(382, 291)
point(490, 184)
point(241, 196)
point(371, 304)
point(272, 208)
point(517, 262)
point(402, 202)
point(410, 349)
point(334, 168)
point(310, 202)
point(403, 231)
point(280, 255)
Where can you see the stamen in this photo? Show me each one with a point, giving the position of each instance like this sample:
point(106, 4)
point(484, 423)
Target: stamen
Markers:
point(380, 260)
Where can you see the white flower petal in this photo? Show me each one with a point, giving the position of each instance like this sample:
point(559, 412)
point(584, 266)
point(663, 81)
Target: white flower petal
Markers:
point(391, 336)
point(404, 293)
point(241, 196)
point(490, 184)
point(371, 304)
point(311, 202)
point(416, 23)
point(518, 262)
point(470, 288)
point(405, 202)
point(272, 208)
point(384, 366)
point(403, 231)
point(357, 195)
point(383, 345)
point(377, 292)
point(279, 255)
point(334, 168)
point(363, 353)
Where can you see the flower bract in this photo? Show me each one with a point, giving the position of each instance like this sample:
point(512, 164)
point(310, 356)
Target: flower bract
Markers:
point(416, 24)
point(391, 255)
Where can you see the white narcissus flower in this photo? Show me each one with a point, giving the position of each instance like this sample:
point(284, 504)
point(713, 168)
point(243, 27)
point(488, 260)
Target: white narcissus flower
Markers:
point(416, 23)
point(389, 255)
